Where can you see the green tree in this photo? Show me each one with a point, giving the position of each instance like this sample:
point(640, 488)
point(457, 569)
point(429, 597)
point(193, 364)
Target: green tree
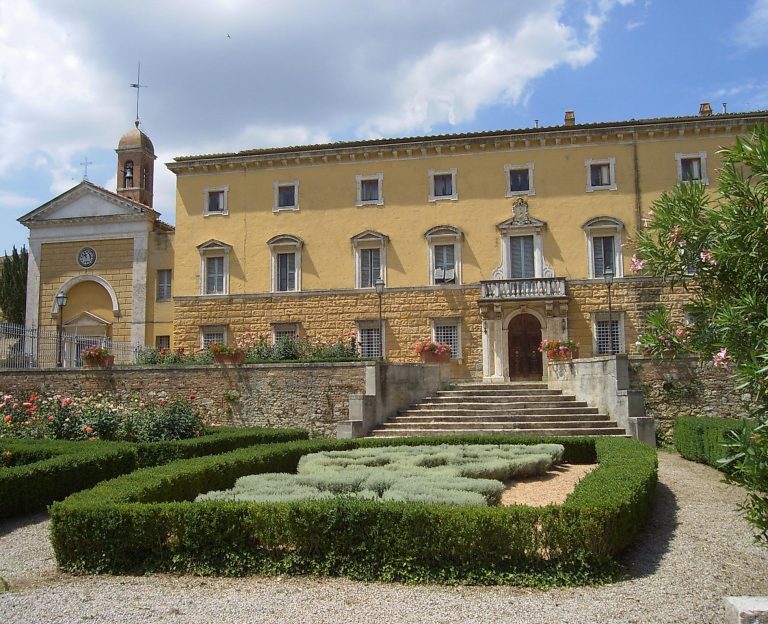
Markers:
point(13, 286)
point(722, 239)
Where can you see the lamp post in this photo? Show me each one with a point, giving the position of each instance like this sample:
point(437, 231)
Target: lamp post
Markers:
point(379, 285)
point(608, 277)
point(61, 301)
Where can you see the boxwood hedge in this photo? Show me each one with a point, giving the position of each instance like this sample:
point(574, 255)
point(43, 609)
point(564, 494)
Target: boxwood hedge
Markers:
point(701, 439)
point(38, 472)
point(145, 522)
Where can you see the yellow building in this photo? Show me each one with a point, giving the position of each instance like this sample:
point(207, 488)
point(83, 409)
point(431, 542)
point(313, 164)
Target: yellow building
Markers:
point(109, 254)
point(490, 241)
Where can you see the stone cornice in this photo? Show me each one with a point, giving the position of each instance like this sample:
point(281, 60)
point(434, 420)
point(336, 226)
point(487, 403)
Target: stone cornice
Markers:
point(452, 144)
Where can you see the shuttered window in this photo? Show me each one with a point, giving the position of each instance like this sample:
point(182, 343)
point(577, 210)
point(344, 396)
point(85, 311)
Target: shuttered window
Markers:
point(214, 276)
point(370, 267)
point(602, 253)
point(286, 271)
point(521, 257)
point(445, 264)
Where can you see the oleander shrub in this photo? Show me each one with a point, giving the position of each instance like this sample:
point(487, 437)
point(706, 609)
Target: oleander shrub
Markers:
point(410, 473)
point(702, 439)
point(35, 473)
point(147, 521)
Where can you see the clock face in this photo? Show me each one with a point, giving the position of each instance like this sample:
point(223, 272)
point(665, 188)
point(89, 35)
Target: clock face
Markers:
point(86, 257)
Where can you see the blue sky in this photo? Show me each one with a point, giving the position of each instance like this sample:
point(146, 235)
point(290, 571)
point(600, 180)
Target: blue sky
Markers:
point(240, 74)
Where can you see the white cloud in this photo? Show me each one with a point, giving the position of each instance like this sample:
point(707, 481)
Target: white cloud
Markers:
point(16, 203)
point(752, 32)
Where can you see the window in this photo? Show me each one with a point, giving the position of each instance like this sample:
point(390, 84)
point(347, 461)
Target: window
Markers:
point(447, 332)
point(522, 245)
point(214, 267)
point(162, 342)
point(214, 275)
point(286, 195)
point(370, 267)
point(286, 271)
point(602, 255)
point(284, 331)
point(519, 180)
point(692, 167)
point(521, 257)
point(444, 254)
point(370, 190)
point(286, 262)
point(442, 185)
point(210, 334)
point(144, 178)
point(604, 246)
point(369, 337)
point(215, 201)
point(370, 258)
point(608, 338)
point(128, 174)
point(445, 264)
point(164, 285)
point(601, 174)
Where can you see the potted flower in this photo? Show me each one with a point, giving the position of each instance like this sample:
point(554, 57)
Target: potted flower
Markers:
point(560, 349)
point(433, 352)
point(225, 354)
point(98, 356)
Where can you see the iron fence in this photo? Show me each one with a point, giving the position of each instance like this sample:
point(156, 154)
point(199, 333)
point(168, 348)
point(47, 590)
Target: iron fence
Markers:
point(21, 347)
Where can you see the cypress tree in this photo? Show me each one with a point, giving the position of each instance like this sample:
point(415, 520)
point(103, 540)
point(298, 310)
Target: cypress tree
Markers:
point(13, 286)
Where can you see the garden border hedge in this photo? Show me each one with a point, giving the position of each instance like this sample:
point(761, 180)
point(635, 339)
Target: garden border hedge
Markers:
point(145, 522)
point(701, 438)
point(54, 469)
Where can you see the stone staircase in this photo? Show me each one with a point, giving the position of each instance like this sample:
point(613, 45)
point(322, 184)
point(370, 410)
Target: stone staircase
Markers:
point(524, 408)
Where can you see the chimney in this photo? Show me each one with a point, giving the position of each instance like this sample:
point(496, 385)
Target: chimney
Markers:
point(705, 109)
point(570, 118)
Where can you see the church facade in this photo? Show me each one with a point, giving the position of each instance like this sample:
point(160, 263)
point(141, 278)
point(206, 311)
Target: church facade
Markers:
point(488, 241)
point(108, 252)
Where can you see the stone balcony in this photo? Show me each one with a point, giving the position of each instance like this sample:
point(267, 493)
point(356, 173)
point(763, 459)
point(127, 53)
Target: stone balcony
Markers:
point(526, 289)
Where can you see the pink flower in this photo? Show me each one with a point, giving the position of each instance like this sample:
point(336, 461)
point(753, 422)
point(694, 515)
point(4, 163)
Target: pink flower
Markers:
point(88, 429)
point(7, 418)
point(66, 402)
point(162, 401)
point(707, 257)
point(51, 418)
point(637, 263)
point(722, 359)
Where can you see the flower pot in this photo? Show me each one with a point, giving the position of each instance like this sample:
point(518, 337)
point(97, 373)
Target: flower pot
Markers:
point(107, 361)
point(430, 357)
point(560, 355)
point(229, 359)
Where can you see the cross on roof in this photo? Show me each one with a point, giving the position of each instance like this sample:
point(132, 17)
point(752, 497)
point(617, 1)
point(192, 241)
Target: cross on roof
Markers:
point(84, 165)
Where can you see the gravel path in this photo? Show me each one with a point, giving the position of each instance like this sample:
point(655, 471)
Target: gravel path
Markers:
point(695, 551)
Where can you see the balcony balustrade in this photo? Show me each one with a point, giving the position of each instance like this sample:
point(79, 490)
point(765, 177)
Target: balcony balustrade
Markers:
point(522, 289)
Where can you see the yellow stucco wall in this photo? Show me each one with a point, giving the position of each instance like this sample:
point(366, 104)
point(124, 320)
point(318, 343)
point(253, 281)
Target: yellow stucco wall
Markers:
point(114, 263)
point(328, 217)
point(159, 313)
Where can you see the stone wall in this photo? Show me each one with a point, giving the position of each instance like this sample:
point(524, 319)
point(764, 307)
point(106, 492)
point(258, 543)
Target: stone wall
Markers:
point(683, 387)
point(328, 315)
point(307, 396)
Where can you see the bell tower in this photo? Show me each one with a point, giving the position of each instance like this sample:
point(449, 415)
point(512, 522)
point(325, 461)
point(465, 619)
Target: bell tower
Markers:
point(136, 166)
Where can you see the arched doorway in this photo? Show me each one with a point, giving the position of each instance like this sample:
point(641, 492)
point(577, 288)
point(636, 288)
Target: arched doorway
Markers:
point(525, 361)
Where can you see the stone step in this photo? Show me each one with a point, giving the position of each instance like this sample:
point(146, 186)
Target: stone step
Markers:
point(417, 417)
point(594, 431)
point(505, 398)
point(499, 393)
point(500, 405)
point(514, 385)
point(471, 408)
point(479, 424)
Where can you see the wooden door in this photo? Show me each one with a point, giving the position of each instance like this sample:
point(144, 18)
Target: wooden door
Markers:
point(525, 361)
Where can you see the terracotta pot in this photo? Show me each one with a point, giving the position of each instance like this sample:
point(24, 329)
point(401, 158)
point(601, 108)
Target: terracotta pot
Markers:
point(430, 357)
point(229, 359)
point(556, 355)
point(108, 361)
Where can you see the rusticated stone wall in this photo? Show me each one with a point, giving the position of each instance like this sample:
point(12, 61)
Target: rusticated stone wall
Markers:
point(684, 387)
point(305, 396)
point(407, 314)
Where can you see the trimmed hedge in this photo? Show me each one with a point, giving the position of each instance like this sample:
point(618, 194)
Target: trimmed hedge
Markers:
point(701, 439)
point(145, 522)
point(44, 471)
